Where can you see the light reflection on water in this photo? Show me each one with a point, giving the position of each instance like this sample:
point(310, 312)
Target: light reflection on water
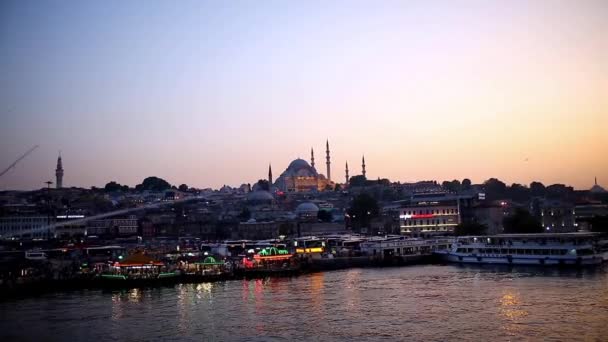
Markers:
point(409, 303)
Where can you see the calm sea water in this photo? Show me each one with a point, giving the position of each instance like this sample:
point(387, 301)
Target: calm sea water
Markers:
point(430, 303)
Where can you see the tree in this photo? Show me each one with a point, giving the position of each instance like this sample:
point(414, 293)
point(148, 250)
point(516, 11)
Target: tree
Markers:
point(338, 188)
point(183, 188)
point(362, 209)
point(453, 186)
point(470, 228)
point(112, 187)
point(328, 187)
point(559, 191)
point(324, 216)
point(466, 184)
point(522, 222)
point(518, 192)
point(153, 184)
point(495, 189)
point(537, 189)
point(263, 185)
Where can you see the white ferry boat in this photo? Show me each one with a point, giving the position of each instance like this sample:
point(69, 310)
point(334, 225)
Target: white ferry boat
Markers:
point(529, 249)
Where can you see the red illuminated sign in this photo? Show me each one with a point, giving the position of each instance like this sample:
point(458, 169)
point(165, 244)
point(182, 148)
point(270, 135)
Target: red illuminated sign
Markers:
point(423, 216)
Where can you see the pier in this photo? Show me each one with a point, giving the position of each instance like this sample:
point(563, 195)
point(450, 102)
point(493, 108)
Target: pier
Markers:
point(138, 270)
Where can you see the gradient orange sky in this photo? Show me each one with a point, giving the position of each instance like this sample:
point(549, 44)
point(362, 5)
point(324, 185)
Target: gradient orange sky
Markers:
point(209, 93)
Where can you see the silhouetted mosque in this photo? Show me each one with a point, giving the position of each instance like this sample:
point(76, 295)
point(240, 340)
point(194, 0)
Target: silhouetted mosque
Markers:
point(300, 176)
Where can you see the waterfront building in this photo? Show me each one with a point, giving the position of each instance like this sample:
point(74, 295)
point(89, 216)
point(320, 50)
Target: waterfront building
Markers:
point(148, 230)
point(432, 214)
point(318, 228)
point(584, 212)
point(254, 230)
point(492, 213)
point(558, 216)
point(125, 226)
point(24, 227)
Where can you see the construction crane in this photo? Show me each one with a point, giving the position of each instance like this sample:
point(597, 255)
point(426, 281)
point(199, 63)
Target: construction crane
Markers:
point(18, 160)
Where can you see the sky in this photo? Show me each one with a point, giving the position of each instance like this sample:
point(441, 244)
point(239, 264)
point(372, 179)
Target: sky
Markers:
point(208, 93)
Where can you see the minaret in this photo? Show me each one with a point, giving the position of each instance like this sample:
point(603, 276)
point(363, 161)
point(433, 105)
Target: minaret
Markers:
point(346, 171)
point(59, 173)
point(363, 166)
point(269, 176)
point(312, 158)
point(327, 158)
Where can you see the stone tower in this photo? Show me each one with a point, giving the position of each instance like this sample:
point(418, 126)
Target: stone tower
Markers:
point(328, 160)
point(59, 173)
point(363, 166)
point(346, 174)
point(269, 176)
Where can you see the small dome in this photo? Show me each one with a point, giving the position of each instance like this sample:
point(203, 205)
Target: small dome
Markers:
point(260, 196)
point(307, 207)
point(596, 189)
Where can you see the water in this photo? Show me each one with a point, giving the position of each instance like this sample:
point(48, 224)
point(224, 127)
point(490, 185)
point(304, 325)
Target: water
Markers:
point(410, 303)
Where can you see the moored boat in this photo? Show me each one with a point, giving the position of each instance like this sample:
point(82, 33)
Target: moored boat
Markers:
point(575, 249)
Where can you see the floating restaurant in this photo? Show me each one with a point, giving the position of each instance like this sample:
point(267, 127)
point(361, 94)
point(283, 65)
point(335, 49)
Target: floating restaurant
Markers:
point(138, 266)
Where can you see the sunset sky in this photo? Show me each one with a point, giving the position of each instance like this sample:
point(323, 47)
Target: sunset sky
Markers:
point(210, 93)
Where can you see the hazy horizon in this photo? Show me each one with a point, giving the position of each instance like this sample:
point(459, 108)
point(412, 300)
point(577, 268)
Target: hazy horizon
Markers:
point(210, 93)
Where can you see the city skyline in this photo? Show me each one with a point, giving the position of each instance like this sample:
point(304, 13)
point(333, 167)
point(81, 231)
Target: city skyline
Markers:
point(208, 94)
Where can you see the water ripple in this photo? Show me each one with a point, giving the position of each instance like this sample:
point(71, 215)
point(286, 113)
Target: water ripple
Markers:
point(430, 303)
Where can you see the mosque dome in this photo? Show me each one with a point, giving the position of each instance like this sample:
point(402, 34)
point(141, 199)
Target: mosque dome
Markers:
point(260, 196)
point(298, 164)
point(596, 189)
point(301, 168)
point(307, 208)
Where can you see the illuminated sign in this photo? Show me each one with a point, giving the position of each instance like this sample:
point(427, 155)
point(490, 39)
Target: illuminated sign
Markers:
point(69, 216)
point(310, 250)
point(268, 251)
point(416, 216)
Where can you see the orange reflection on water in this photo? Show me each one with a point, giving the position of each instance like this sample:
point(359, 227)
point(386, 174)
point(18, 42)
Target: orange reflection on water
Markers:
point(510, 308)
point(510, 304)
point(317, 283)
